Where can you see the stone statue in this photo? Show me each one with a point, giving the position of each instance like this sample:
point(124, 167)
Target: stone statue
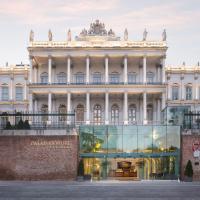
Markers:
point(145, 35)
point(69, 35)
point(164, 35)
point(31, 37)
point(50, 35)
point(126, 34)
point(184, 63)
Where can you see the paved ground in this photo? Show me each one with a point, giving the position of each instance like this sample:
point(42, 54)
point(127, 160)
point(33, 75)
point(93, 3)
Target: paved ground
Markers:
point(112, 190)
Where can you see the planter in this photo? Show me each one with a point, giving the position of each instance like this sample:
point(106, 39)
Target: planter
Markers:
point(87, 177)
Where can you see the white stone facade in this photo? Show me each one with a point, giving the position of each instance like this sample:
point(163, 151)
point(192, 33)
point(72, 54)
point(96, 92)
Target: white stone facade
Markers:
point(104, 79)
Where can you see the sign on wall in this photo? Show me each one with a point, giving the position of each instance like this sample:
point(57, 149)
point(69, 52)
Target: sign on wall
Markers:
point(196, 149)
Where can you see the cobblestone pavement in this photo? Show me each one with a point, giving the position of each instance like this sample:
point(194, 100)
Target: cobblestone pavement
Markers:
point(112, 190)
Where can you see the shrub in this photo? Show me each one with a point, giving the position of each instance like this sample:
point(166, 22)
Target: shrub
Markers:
point(188, 169)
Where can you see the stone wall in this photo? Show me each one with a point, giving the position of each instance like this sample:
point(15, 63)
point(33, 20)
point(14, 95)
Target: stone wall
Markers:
point(188, 154)
point(36, 157)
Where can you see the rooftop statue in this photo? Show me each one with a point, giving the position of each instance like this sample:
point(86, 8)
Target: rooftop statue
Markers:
point(164, 35)
point(50, 36)
point(126, 34)
point(31, 37)
point(145, 35)
point(69, 35)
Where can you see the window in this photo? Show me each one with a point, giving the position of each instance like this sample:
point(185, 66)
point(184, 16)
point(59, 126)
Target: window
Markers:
point(19, 93)
point(97, 115)
point(150, 76)
point(44, 78)
point(96, 78)
point(61, 77)
point(132, 113)
point(175, 93)
point(115, 114)
point(44, 110)
point(188, 92)
point(62, 110)
point(80, 113)
point(4, 93)
point(132, 78)
point(79, 78)
point(149, 113)
point(114, 77)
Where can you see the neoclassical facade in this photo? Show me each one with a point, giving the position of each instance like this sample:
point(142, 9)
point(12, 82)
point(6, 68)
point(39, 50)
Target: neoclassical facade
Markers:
point(103, 78)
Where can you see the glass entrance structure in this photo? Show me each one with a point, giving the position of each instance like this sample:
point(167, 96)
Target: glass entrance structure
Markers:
point(130, 152)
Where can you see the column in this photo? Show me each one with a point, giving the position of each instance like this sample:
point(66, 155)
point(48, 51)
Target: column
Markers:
point(158, 74)
point(158, 110)
point(106, 108)
point(197, 90)
point(163, 100)
point(69, 107)
point(35, 74)
point(182, 91)
point(87, 108)
point(49, 106)
point(68, 70)
point(35, 105)
point(30, 102)
point(163, 70)
point(50, 68)
point(11, 86)
point(87, 70)
point(169, 91)
point(125, 70)
point(144, 69)
point(25, 89)
point(144, 107)
point(106, 70)
point(125, 108)
point(31, 69)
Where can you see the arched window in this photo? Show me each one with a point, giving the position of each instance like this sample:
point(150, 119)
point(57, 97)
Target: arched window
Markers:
point(79, 78)
point(115, 114)
point(62, 110)
point(80, 113)
point(61, 77)
point(132, 77)
point(132, 113)
point(149, 113)
point(19, 92)
point(97, 114)
point(44, 110)
point(114, 77)
point(150, 76)
point(97, 78)
point(5, 92)
point(44, 78)
point(188, 92)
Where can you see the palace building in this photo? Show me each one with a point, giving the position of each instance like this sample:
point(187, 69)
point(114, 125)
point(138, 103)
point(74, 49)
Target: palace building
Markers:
point(128, 105)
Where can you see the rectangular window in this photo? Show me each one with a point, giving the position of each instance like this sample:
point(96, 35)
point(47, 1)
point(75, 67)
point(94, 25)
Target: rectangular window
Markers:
point(80, 78)
point(4, 94)
point(114, 78)
point(131, 78)
point(188, 92)
point(19, 94)
point(175, 93)
point(97, 78)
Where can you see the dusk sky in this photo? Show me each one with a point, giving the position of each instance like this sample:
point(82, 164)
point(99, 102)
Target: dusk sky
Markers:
point(181, 18)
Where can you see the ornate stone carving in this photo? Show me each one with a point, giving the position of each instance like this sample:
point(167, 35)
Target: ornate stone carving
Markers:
point(126, 34)
point(145, 35)
point(164, 35)
point(31, 37)
point(69, 35)
point(50, 36)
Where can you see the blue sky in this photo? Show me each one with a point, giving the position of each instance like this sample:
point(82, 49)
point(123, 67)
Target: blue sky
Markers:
point(181, 18)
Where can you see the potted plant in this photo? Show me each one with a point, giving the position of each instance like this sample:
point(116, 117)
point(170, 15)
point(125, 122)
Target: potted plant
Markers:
point(188, 171)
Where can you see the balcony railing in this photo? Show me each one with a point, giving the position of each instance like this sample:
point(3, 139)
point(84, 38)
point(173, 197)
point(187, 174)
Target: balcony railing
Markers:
point(99, 83)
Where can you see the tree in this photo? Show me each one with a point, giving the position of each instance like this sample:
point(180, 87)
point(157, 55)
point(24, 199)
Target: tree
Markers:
point(188, 169)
